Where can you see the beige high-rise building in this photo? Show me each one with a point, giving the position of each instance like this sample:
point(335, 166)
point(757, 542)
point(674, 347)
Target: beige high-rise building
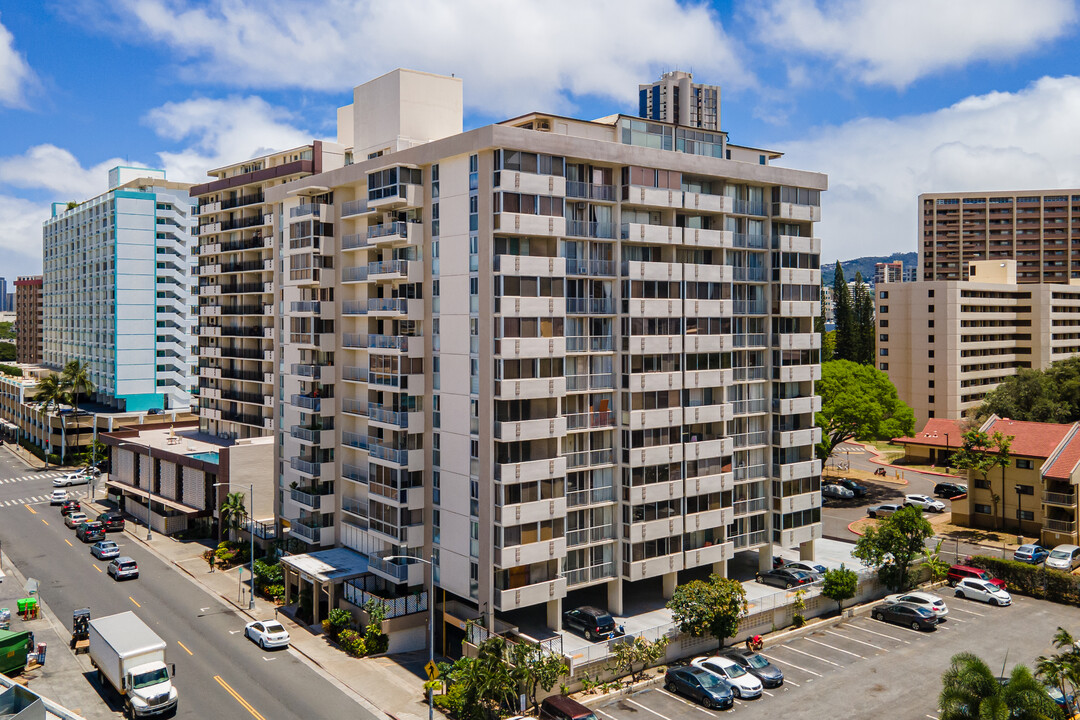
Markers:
point(28, 312)
point(945, 344)
point(1039, 229)
point(675, 98)
point(555, 354)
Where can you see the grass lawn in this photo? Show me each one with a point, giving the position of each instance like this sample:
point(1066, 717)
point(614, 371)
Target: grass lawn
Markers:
point(887, 449)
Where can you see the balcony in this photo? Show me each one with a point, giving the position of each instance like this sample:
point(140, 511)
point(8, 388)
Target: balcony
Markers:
point(594, 496)
point(531, 388)
point(750, 439)
point(752, 241)
point(541, 266)
point(529, 553)
point(590, 306)
point(592, 268)
point(355, 241)
point(709, 554)
point(308, 435)
point(354, 207)
point(307, 533)
point(529, 595)
point(580, 576)
point(530, 470)
point(312, 404)
point(388, 269)
point(706, 202)
point(585, 344)
point(653, 567)
point(1059, 526)
point(797, 438)
point(522, 224)
point(640, 232)
point(590, 420)
point(530, 512)
point(530, 429)
point(1061, 499)
point(311, 501)
point(640, 270)
point(587, 229)
point(399, 231)
point(590, 458)
point(797, 470)
point(590, 191)
point(387, 417)
point(306, 467)
point(652, 196)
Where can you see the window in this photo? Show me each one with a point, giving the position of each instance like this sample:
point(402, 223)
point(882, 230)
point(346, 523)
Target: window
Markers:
point(884, 294)
point(930, 368)
point(930, 354)
point(930, 399)
point(1025, 515)
point(883, 352)
point(982, 484)
point(929, 293)
point(982, 509)
point(884, 323)
point(929, 338)
point(929, 308)
point(883, 366)
point(883, 337)
point(1025, 489)
point(883, 309)
point(1023, 464)
point(930, 323)
point(930, 384)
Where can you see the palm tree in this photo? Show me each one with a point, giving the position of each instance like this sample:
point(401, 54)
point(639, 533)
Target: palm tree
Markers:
point(75, 377)
point(1061, 670)
point(51, 393)
point(233, 513)
point(970, 691)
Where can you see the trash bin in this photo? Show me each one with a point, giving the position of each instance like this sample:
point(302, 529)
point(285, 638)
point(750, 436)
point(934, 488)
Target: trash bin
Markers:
point(41, 652)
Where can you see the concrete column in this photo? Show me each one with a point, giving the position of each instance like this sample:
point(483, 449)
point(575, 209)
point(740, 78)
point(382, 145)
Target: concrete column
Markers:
point(554, 614)
point(765, 553)
point(670, 581)
point(807, 550)
point(615, 597)
point(316, 595)
point(720, 568)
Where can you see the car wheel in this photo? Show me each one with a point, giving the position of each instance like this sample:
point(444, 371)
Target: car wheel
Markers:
point(788, 586)
point(588, 635)
point(879, 616)
point(915, 625)
point(960, 594)
point(262, 643)
point(708, 703)
point(994, 601)
point(736, 691)
point(873, 515)
point(670, 687)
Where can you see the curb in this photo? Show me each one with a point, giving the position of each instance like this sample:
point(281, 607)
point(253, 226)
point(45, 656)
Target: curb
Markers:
point(854, 531)
point(878, 461)
point(591, 700)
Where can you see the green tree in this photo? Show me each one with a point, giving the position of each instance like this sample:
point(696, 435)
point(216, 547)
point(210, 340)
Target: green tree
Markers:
point(843, 314)
point(862, 330)
point(95, 452)
point(233, 513)
point(840, 584)
point(971, 691)
point(533, 667)
point(51, 394)
point(980, 453)
point(939, 569)
point(858, 400)
point(638, 651)
point(7, 330)
point(890, 545)
point(709, 608)
point(75, 377)
point(484, 683)
point(7, 351)
point(1029, 395)
point(1062, 669)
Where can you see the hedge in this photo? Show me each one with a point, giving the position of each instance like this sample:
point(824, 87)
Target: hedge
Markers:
point(11, 370)
point(1035, 581)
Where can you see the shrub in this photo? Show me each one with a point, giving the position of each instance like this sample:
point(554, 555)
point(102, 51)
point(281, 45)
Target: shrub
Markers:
point(336, 621)
point(11, 370)
point(274, 592)
point(352, 643)
point(1035, 581)
point(453, 702)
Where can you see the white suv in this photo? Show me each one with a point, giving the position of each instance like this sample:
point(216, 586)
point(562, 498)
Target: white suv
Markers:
point(982, 590)
point(1064, 557)
point(925, 502)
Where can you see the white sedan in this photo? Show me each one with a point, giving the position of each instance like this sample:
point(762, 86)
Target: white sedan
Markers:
point(744, 685)
point(837, 491)
point(925, 502)
point(931, 602)
point(267, 634)
point(987, 592)
point(77, 478)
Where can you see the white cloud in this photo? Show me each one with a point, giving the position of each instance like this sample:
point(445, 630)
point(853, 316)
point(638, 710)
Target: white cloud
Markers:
point(514, 56)
point(877, 167)
point(896, 43)
point(20, 235)
point(55, 169)
point(15, 73)
point(221, 132)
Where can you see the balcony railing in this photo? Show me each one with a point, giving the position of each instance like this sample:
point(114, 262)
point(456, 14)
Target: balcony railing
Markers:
point(590, 535)
point(749, 207)
point(352, 406)
point(750, 539)
point(353, 207)
point(1063, 526)
point(400, 305)
point(594, 419)
point(581, 343)
point(594, 496)
point(583, 228)
point(306, 402)
point(751, 472)
point(388, 229)
point(396, 569)
point(355, 440)
point(748, 274)
point(589, 574)
point(744, 507)
point(580, 266)
point(307, 499)
point(391, 417)
point(750, 340)
point(590, 457)
point(748, 240)
point(591, 306)
point(394, 607)
point(354, 307)
point(1053, 498)
point(306, 466)
point(354, 506)
point(744, 407)
point(308, 532)
point(354, 340)
point(742, 440)
point(354, 274)
point(355, 473)
point(745, 307)
point(306, 434)
point(354, 241)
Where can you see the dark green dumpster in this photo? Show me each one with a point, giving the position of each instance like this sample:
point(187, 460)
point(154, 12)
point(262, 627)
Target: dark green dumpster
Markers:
point(14, 647)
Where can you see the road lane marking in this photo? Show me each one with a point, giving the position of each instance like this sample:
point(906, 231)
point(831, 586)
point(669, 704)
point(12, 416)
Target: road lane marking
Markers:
point(44, 521)
point(785, 662)
point(244, 703)
point(68, 542)
point(815, 657)
point(185, 647)
point(646, 709)
point(266, 659)
point(98, 568)
point(696, 707)
point(875, 632)
point(861, 642)
point(233, 632)
point(831, 647)
point(134, 601)
point(32, 510)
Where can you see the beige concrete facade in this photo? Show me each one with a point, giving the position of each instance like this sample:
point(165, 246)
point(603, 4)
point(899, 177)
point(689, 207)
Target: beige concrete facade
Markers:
point(551, 352)
point(946, 344)
point(28, 312)
point(1040, 229)
point(677, 99)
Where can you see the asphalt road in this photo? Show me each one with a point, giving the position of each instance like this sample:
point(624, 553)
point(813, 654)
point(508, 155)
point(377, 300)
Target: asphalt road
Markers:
point(219, 673)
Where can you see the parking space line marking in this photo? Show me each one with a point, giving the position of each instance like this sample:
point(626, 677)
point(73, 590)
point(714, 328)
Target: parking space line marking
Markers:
point(785, 662)
point(676, 697)
point(647, 709)
point(605, 714)
point(861, 642)
point(789, 681)
point(44, 521)
point(185, 647)
point(98, 568)
point(812, 656)
point(969, 612)
point(831, 647)
point(875, 632)
point(68, 542)
point(134, 601)
point(32, 510)
point(948, 618)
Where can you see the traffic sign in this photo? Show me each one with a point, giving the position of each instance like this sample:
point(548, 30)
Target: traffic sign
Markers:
point(432, 670)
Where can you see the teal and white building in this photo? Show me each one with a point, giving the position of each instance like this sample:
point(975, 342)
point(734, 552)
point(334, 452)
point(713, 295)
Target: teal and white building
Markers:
point(118, 290)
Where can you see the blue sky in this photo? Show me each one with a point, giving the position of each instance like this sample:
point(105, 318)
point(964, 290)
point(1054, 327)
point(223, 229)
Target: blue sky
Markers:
point(890, 99)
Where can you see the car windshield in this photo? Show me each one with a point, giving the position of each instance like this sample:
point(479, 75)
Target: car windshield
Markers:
point(147, 679)
point(604, 619)
point(127, 566)
point(709, 681)
point(1059, 555)
point(274, 628)
point(735, 671)
point(757, 661)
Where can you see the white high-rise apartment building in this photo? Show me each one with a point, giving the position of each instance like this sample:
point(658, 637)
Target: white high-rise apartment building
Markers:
point(554, 353)
point(117, 290)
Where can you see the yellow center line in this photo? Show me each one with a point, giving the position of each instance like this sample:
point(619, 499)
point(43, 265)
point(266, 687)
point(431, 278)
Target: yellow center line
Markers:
point(134, 601)
point(68, 542)
point(44, 521)
point(236, 696)
point(97, 568)
point(32, 510)
point(185, 647)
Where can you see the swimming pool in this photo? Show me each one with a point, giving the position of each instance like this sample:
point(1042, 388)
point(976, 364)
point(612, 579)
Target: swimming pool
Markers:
point(206, 456)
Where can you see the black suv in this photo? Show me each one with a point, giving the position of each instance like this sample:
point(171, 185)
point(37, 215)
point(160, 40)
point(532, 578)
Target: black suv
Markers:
point(592, 622)
point(784, 578)
point(949, 490)
point(111, 520)
point(90, 532)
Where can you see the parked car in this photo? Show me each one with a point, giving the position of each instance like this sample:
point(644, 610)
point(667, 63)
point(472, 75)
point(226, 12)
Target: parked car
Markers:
point(1031, 554)
point(70, 506)
point(92, 471)
point(58, 497)
point(1064, 557)
point(123, 568)
point(267, 634)
point(76, 478)
point(744, 685)
point(884, 510)
point(75, 519)
point(759, 666)
point(859, 490)
point(592, 622)
point(90, 532)
point(697, 684)
point(105, 549)
point(913, 616)
point(838, 492)
point(785, 578)
point(983, 590)
point(112, 520)
point(925, 502)
point(949, 490)
point(814, 570)
point(931, 602)
point(560, 707)
point(959, 572)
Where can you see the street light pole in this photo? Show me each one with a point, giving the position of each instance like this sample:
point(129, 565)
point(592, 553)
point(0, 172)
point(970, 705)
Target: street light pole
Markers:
point(251, 536)
point(431, 618)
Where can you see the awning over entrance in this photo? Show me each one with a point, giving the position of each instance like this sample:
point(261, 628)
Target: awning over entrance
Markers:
point(335, 564)
point(140, 495)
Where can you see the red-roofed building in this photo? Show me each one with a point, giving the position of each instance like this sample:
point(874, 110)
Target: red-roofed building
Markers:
point(933, 444)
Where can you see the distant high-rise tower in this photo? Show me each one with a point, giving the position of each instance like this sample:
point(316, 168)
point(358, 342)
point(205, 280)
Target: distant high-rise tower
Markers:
point(676, 98)
point(28, 313)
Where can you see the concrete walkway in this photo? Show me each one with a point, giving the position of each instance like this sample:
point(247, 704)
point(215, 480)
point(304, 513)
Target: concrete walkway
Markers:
point(388, 687)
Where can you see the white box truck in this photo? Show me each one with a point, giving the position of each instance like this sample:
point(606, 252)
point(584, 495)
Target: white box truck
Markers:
point(130, 657)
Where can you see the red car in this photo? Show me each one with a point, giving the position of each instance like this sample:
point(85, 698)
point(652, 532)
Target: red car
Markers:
point(959, 572)
point(69, 507)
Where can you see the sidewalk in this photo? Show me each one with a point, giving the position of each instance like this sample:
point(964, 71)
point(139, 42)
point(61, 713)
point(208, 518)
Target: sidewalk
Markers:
point(388, 687)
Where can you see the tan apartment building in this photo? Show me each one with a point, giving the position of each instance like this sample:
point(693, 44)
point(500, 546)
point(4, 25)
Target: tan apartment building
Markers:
point(554, 354)
point(28, 311)
point(675, 98)
point(1039, 229)
point(236, 288)
point(945, 343)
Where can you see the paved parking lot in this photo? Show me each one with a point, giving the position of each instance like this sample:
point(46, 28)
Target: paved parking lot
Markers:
point(866, 668)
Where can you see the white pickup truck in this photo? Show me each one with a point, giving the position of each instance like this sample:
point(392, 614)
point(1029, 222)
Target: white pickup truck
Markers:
point(131, 657)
